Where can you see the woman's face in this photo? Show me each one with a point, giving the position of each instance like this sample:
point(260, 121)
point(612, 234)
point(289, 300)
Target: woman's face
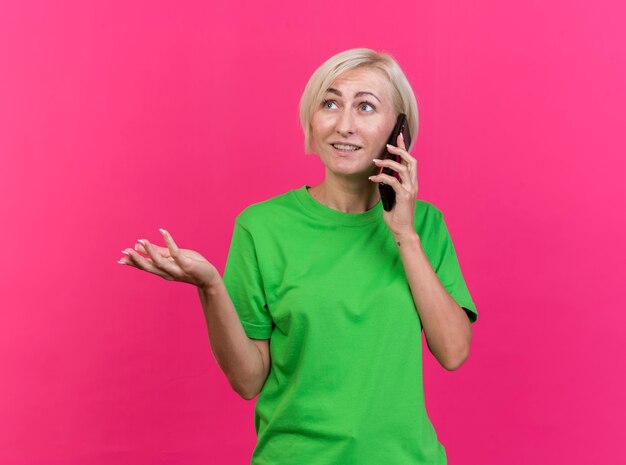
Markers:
point(357, 109)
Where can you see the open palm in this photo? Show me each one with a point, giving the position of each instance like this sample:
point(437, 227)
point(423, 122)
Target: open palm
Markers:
point(171, 263)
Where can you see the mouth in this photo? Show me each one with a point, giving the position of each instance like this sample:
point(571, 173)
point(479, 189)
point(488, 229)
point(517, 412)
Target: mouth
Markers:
point(345, 149)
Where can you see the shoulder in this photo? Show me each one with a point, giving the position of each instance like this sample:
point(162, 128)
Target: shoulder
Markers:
point(429, 222)
point(265, 211)
point(426, 210)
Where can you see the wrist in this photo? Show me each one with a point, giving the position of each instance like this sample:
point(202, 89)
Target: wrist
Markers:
point(212, 287)
point(406, 236)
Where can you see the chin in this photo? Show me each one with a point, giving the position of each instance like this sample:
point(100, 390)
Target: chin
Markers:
point(349, 172)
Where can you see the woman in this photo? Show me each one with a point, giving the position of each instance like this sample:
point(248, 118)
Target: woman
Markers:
point(325, 294)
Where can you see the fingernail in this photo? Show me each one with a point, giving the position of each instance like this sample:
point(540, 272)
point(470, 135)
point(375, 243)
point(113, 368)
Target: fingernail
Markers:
point(162, 231)
point(136, 246)
point(125, 253)
point(122, 263)
point(141, 242)
point(376, 160)
point(401, 136)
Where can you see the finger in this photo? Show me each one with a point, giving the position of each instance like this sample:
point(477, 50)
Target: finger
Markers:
point(126, 259)
point(173, 249)
point(403, 192)
point(394, 165)
point(183, 261)
point(401, 141)
point(138, 261)
point(392, 181)
point(162, 251)
point(406, 157)
point(402, 170)
point(167, 265)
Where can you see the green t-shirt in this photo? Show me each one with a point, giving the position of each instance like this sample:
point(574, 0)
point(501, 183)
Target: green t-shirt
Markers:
point(329, 290)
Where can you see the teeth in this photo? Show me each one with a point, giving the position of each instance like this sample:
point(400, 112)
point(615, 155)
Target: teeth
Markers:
point(345, 147)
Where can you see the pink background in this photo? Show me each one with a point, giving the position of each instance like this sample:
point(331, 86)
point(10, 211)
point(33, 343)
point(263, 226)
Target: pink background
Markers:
point(117, 118)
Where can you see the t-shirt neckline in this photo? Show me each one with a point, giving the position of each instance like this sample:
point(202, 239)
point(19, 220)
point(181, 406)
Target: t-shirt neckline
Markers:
point(336, 216)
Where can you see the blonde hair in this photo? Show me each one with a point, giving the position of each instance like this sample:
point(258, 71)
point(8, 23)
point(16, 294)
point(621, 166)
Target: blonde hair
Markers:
point(403, 96)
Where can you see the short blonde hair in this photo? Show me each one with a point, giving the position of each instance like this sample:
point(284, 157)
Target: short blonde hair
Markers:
point(403, 96)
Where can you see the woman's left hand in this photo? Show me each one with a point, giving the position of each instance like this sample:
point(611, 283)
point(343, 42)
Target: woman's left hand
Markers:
point(400, 219)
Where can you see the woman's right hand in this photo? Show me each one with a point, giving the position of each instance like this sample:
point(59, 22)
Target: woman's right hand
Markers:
point(172, 263)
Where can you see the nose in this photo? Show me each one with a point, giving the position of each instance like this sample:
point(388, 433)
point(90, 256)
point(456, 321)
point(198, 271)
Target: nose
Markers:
point(345, 122)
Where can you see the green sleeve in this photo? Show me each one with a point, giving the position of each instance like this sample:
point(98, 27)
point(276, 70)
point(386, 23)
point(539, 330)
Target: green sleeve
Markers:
point(446, 265)
point(243, 281)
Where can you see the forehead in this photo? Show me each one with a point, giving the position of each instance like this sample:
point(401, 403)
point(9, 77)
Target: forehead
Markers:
point(364, 79)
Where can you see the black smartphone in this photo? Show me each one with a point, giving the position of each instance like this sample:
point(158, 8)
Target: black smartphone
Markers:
point(387, 194)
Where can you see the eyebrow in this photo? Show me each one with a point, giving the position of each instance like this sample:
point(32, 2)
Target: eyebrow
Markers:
point(358, 94)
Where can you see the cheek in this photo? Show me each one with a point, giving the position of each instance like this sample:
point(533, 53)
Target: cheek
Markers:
point(381, 133)
point(322, 123)
point(384, 130)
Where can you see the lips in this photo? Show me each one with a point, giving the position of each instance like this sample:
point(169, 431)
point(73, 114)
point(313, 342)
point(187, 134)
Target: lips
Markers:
point(348, 144)
point(345, 149)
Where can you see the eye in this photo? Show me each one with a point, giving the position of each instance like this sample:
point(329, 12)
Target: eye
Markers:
point(363, 104)
point(325, 102)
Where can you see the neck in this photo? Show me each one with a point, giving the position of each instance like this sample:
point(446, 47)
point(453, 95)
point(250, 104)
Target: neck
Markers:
point(345, 195)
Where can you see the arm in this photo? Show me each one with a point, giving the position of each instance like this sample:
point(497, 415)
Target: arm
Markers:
point(244, 361)
point(446, 325)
